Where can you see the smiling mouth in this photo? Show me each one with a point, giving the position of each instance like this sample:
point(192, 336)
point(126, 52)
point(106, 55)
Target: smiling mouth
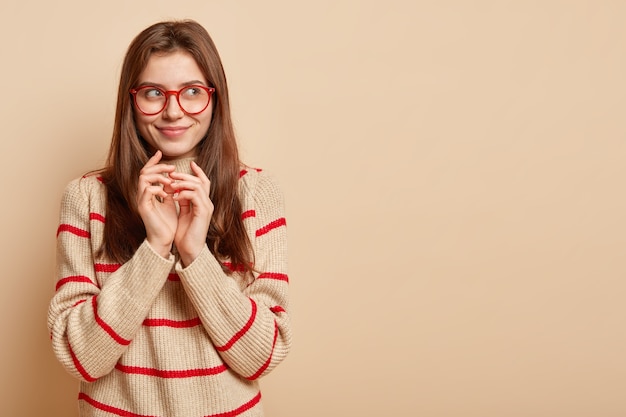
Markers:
point(172, 131)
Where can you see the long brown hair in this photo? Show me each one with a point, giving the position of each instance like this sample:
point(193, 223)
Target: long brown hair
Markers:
point(217, 153)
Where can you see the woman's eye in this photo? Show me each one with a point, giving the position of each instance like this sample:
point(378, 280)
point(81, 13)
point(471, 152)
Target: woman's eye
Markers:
point(152, 93)
point(192, 91)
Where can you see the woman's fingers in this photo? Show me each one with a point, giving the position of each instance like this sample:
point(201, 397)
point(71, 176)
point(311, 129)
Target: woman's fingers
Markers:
point(192, 192)
point(154, 159)
point(156, 205)
point(161, 181)
point(147, 193)
point(191, 187)
point(199, 172)
point(196, 209)
point(153, 174)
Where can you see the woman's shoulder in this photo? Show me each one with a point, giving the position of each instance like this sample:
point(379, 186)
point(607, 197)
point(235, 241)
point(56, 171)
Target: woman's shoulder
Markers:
point(259, 186)
point(85, 186)
point(248, 176)
point(257, 180)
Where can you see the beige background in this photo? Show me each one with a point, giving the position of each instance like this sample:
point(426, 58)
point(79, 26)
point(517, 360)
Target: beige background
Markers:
point(454, 174)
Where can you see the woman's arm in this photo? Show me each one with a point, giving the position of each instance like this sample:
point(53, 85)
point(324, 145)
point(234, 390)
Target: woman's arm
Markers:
point(91, 325)
point(250, 328)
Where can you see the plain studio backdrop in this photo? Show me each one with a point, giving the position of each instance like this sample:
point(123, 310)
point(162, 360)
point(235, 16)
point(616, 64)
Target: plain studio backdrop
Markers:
point(454, 177)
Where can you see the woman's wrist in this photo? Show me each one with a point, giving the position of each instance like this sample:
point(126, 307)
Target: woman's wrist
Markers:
point(187, 257)
point(163, 250)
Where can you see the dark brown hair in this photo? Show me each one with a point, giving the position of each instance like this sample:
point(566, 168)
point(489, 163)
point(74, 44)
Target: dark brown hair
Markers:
point(217, 153)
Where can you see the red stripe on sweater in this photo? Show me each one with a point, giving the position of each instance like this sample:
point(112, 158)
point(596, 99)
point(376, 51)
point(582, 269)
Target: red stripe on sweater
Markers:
point(119, 339)
point(96, 216)
point(273, 225)
point(107, 408)
point(237, 411)
point(179, 324)
point(245, 171)
point(78, 302)
point(274, 275)
point(241, 332)
point(277, 309)
point(79, 366)
point(98, 177)
point(185, 373)
point(248, 213)
point(234, 268)
point(107, 267)
point(75, 278)
point(74, 230)
point(173, 277)
point(269, 360)
point(123, 413)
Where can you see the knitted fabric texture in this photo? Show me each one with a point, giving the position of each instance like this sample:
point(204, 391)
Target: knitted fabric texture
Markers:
point(153, 338)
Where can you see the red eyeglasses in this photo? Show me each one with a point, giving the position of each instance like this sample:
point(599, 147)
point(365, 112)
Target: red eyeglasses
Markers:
point(192, 99)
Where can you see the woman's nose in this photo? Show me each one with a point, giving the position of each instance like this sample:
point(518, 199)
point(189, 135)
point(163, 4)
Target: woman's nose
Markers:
point(172, 108)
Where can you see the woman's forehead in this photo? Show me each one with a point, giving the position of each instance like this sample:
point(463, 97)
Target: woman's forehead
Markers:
point(172, 70)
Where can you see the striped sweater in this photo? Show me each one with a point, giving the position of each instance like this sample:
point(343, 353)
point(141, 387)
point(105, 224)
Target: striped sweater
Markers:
point(151, 338)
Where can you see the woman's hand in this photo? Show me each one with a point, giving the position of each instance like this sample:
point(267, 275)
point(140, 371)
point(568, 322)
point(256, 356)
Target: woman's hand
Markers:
point(196, 209)
point(156, 205)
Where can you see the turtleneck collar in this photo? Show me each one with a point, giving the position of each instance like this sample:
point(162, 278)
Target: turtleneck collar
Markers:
point(182, 165)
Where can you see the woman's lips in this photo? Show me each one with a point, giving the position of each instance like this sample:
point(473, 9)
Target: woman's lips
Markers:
point(173, 131)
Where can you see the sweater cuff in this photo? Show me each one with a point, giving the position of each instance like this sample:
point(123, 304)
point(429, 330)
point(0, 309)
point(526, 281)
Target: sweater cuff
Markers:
point(204, 264)
point(143, 275)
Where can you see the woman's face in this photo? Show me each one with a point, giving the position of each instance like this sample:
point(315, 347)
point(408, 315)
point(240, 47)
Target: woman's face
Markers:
point(172, 131)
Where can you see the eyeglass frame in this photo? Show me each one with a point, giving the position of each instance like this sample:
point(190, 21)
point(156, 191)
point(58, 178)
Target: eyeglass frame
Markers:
point(168, 93)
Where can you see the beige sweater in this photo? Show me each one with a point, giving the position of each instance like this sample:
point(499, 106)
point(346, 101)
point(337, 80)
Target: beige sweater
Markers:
point(151, 338)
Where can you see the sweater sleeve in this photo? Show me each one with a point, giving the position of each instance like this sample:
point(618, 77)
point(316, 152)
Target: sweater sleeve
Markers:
point(250, 328)
point(91, 323)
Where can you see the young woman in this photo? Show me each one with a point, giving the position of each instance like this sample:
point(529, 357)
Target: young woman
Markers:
point(171, 298)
